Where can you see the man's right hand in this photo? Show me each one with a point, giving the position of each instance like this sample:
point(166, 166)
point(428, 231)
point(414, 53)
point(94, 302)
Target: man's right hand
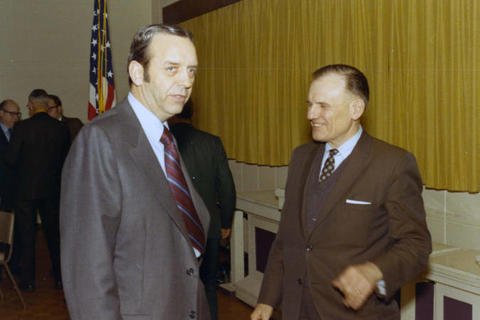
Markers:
point(261, 312)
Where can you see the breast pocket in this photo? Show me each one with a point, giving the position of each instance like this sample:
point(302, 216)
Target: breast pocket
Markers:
point(353, 224)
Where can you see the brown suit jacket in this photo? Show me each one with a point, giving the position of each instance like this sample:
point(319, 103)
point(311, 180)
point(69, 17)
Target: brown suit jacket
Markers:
point(124, 245)
point(390, 232)
point(73, 124)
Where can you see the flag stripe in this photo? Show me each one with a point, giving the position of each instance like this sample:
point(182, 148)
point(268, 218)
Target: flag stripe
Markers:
point(102, 85)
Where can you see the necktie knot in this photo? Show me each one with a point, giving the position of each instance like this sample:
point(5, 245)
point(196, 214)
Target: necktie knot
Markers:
point(333, 152)
point(166, 138)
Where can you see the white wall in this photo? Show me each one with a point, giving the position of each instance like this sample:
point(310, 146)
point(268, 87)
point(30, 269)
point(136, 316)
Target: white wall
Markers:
point(45, 44)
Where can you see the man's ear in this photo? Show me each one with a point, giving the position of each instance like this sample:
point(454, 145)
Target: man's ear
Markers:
point(357, 107)
point(135, 71)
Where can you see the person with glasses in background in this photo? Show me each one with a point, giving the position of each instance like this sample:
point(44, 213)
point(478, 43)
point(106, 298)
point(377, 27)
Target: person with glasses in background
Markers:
point(9, 115)
point(55, 110)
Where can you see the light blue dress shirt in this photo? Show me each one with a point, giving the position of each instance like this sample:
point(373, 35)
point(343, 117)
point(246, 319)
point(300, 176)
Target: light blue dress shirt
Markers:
point(5, 131)
point(152, 126)
point(343, 151)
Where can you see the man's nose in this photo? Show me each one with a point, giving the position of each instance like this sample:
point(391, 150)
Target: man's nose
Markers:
point(186, 78)
point(313, 112)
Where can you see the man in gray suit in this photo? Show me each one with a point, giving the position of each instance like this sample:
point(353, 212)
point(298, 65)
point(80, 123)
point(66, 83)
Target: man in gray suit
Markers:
point(128, 249)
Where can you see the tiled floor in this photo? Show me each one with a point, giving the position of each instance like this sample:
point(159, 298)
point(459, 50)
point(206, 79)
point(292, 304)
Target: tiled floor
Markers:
point(47, 303)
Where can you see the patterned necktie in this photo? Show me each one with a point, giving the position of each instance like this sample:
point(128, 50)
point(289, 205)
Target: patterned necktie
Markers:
point(179, 188)
point(10, 131)
point(329, 166)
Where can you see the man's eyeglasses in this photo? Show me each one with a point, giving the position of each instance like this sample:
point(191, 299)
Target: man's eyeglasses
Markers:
point(18, 114)
point(52, 107)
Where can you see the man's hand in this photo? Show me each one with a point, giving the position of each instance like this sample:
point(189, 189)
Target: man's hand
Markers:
point(225, 233)
point(357, 283)
point(261, 312)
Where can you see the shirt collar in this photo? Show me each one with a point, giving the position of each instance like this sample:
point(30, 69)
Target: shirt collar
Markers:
point(152, 126)
point(347, 147)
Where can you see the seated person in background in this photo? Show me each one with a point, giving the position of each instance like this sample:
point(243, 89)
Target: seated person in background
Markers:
point(55, 110)
point(207, 164)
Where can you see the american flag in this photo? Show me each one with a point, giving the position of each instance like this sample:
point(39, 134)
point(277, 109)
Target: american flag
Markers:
point(102, 86)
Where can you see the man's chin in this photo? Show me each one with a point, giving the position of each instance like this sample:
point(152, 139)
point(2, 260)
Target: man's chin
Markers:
point(175, 109)
point(318, 137)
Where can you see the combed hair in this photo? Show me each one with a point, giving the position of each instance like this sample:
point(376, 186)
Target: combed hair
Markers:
point(355, 80)
point(39, 96)
point(36, 93)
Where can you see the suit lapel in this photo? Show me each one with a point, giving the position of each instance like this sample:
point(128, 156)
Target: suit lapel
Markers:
point(3, 138)
point(146, 161)
point(357, 161)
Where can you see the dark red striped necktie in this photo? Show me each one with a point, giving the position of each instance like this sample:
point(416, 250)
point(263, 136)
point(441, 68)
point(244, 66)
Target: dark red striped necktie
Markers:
point(180, 191)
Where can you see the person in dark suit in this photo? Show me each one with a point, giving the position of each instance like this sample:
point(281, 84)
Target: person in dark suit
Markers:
point(55, 110)
point(133, 228)
point(36, 152)
point(353, 227)
point(207, 164)
point(9, 115)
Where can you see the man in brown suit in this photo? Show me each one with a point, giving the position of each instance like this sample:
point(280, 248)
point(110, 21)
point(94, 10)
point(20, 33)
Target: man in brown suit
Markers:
point(55, 110)
point(353, 225)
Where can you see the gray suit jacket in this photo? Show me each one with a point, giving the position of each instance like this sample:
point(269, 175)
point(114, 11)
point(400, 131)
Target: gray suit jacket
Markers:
point(124, 246)
point(390, 231)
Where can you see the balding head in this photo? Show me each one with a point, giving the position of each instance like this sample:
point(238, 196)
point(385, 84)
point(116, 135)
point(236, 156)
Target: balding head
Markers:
point(9, 112)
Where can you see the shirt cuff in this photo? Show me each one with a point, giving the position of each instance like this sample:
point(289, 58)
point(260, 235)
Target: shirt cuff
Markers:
point(381, 288)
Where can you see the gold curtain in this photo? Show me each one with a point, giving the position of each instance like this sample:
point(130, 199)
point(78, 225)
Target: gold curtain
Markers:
point(421, 58)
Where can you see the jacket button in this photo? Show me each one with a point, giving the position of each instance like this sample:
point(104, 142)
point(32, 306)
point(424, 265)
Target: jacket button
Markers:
point(309, 248)
point(192, 315)
point(190, 271)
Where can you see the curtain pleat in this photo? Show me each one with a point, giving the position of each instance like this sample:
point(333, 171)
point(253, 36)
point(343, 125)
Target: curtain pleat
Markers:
point(421, 58)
